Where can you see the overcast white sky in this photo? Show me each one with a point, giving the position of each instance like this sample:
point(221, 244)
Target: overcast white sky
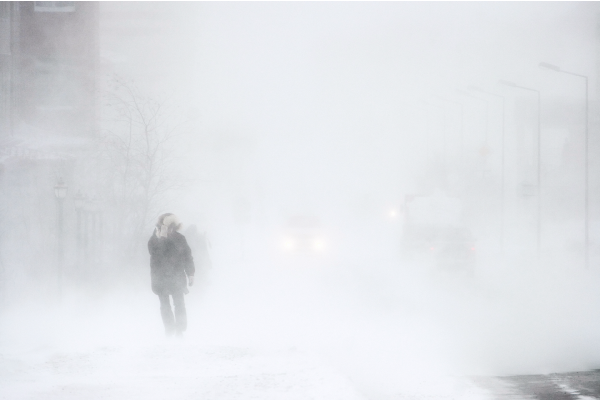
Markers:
point(332, 93)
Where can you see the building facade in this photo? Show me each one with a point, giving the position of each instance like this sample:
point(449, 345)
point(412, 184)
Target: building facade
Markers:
point(49, 56)
point(48, 99)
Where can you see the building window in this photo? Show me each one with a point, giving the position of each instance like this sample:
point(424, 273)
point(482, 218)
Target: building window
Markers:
point(54, 6)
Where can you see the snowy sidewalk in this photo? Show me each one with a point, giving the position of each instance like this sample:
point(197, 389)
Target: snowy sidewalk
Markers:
point(176, 369)
point(171, 370)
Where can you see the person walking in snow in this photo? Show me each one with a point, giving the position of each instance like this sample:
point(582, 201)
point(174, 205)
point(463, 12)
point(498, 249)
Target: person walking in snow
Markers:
point(171, 270)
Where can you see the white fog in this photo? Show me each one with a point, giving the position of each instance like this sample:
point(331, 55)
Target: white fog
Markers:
point(382, 200)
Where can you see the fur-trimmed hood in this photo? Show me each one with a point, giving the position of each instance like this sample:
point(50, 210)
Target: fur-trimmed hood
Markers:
point(166, 224)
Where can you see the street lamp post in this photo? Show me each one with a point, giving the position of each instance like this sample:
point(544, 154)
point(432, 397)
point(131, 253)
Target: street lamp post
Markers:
point(586, 159)
point(539, 158)
point(502, 151)
point(60, 192)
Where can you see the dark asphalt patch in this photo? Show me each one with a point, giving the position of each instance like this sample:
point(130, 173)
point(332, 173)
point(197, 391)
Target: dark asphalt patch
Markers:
point(564, 386)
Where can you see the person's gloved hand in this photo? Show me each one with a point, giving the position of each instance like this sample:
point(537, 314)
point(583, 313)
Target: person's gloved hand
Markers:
point(191, 280)
point(164, 231)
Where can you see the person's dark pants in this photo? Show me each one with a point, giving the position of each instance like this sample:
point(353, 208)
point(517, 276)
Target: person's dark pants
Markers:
point(173, 323)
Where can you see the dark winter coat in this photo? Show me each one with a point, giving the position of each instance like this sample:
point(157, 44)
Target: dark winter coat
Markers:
point(170, 261)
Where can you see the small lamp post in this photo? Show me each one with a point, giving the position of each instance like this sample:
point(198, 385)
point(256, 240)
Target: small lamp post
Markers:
point(86, 228)
point(60, 192)
point(93, 207)
point(79, 199)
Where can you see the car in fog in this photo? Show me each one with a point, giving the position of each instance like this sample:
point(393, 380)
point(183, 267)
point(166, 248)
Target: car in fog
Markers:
point(303, 234)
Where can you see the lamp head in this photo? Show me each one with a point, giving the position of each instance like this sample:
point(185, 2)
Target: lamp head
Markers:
point(549, 66)
point(60, 189)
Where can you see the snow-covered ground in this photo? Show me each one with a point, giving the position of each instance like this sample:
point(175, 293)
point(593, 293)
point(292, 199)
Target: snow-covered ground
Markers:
point(296, 335)
point(170, 370)
point(300, 331)
point(76, 353)
point(192, 370)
